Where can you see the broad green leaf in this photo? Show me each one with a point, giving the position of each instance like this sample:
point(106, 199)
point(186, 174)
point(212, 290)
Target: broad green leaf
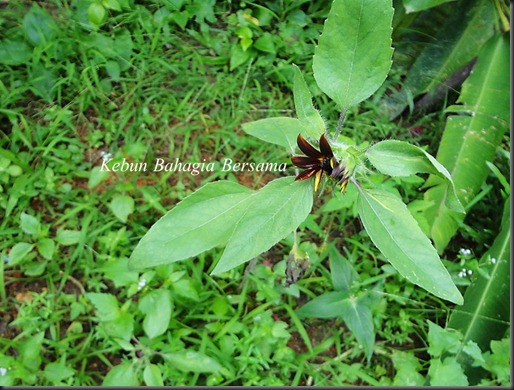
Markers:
point(305, 111)
point(420, 5)
point(327, 305)
point(354, 52)
point(56, 372)
point(19, 251)
point(407, 369)
point(121, 375)
point(38, 25)
point(442, 340)
point(280, 131)
point(30, 351)
point(446, 373)
point(265, 43)
point(355, 314)
point(396, 233)
point(29, 224)
point(192, 361)
point(156, 306)
point(68, 237)
point(459, 40)
point(470, 140)
point(96, 177)
point(46, 248)
point(106, 305)
point(200, 222)
point(96, 13)
point(122, 206)
point(342, 272)
point(14, 52)
point(152, 375)
point(399, 158)
point(276, 211)
point(485, 315)
point(120, 327)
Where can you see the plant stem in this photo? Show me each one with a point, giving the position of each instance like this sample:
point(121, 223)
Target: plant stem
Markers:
point(340, 123)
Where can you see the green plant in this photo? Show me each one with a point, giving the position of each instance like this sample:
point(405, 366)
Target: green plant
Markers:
point(250, 222)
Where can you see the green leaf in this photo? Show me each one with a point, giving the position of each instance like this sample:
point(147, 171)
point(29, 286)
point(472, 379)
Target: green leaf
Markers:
point(399, 158)
point(38, 25)
point(310, 117)
point(152, 375)
point(327, 305)
point(396, 233)
point(106, 306)
point(459, 40)
point(68, 237)
point(280, 131)
point(238, 56)
point(96, 177)
point(420, 5)
point(201, 221)
point(442, 340)
point(446, 373)
point(96, 13)
point(265, 43)
point(470, 140)
point(272, 214)
point(122, 206)
point(407, 370)
point(156, 306)
point(485, 315)
point(30, 224)
point(359, 320)
point(355, 314)
point(121, 375)
point(112, 4)
point(14, 52)
point(354, 52)
point(342, 272)
point(120, 327)
point(46, 248)
point(117, 270)
point(18, 252)
point(192, 361)
point(30, 352)
point(56, 372)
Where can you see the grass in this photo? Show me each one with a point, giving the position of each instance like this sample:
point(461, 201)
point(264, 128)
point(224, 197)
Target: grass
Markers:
point(141, 88)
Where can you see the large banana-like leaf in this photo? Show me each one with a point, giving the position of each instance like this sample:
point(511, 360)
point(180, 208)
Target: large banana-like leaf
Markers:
point(471, 139)
point(457, 43)
point(485, 315)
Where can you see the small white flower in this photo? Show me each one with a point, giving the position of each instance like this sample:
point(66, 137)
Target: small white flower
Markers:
point(493, 260)
point(3, 371)
point(470, 272)
point(141, 284)
point(465, 252)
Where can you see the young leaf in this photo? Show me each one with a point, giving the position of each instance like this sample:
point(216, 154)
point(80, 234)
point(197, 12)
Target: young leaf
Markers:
point(192, 361)
point(200, 222)
point(470, 140)
point(354, 52)
point(121, 375)
point(152, 375)
point(19, 251)
point(29, 224)
point(355, 314)
point(277, 209)
point(39, 26)
point(280, 131)
point(305, 111)
point(398, 158)
point(342, 272)
point(446, 373)
point(396, 233)
point(156, 306)
point(122, 206)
